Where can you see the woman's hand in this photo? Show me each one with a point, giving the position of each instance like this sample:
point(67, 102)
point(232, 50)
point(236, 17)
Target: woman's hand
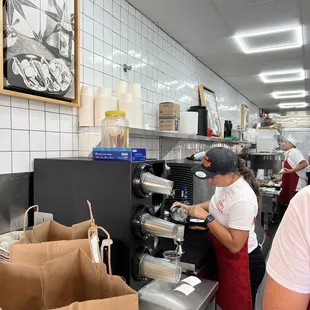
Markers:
point(194, 211)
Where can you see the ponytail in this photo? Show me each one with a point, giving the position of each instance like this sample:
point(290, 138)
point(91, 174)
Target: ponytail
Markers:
point(249, 176)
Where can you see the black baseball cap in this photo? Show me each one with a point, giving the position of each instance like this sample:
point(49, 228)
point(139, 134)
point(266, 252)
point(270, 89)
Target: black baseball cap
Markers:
point(217, 160)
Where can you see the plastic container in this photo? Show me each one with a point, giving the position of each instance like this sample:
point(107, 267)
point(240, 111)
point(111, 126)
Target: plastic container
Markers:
point(155, 268)
point(153, 184)
point(155, 226)
point(115, 130)
point(173, 257)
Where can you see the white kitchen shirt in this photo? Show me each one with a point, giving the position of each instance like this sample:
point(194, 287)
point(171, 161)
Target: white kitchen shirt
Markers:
point(236, 207)
point(295, 157)
point(289, 260)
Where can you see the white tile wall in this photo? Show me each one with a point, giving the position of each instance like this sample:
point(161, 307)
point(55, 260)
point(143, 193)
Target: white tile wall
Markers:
point(112, 33)
point(30, 129)
point(165, 69)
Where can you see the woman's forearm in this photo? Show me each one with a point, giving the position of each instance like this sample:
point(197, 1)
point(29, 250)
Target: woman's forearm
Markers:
point(204, 205)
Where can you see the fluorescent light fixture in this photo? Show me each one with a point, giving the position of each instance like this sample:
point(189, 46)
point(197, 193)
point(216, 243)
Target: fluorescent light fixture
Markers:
point(283, 76)
point(292, 105)
point(297, 42)
point(289, 94)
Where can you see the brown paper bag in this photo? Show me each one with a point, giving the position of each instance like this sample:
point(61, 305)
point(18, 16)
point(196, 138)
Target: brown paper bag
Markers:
point(53, 231)
point(71, 282)
point(37, 254)
point(43, 242)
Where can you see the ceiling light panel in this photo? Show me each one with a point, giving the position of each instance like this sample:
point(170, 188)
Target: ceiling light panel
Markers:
point(283, 76)
point(292, 105)
point(273, 40)
point(289, 94)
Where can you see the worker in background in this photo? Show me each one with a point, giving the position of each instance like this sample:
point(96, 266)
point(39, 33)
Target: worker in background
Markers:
point(288, 267)
point(294, 176)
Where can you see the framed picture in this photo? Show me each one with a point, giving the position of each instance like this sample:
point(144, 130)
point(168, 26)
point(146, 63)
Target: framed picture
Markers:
point(245, 117)
point(40, 55)
point(208, 99)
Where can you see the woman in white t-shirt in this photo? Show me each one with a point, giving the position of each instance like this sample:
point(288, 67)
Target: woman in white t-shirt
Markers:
point(288, 267)
point(230, 216)
point(294, 176)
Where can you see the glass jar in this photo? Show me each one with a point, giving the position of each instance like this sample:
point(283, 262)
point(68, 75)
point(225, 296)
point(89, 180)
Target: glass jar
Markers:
point(115, 130)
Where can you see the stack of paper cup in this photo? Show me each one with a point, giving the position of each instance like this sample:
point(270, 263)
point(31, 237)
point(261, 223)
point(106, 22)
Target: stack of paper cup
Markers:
point(135, 90)
point(102, 104)
point(114, 104)
point(86, 111)
point(126, 103)
point(121, 88)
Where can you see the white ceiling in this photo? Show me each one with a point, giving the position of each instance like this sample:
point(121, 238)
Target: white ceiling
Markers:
point(206, 28)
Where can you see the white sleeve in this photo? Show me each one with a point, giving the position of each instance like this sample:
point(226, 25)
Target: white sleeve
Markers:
point(289, 260)
point(242, 215)
point(297, 157)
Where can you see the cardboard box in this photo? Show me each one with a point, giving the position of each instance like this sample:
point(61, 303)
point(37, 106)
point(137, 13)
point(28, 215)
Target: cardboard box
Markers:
point(169, 109)
point(118, 154)
point(169, 124)
point(169, 116)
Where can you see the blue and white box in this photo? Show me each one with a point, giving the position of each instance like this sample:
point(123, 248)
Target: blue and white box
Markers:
point(119, 154)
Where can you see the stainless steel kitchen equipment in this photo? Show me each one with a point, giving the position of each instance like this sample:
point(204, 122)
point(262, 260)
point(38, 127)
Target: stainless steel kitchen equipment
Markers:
point(270, 162)
point(269, 205)
point(162, 296)
point(124, 201)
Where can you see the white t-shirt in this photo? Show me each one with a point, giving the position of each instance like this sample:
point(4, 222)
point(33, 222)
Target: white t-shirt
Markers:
point(294, 158)
point(236, 207)
point(289, 260)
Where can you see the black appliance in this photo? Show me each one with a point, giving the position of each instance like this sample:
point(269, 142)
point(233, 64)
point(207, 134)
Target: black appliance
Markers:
point(197, 190)
point(227, 129)
point(198, 258)
point(202, 119)
point(118, 197)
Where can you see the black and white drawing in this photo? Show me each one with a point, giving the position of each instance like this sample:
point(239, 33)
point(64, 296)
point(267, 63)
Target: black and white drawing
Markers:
point(38, 47)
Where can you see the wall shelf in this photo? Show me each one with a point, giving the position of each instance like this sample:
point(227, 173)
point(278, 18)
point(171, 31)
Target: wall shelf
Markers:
point(156, 134)
point(167, 139)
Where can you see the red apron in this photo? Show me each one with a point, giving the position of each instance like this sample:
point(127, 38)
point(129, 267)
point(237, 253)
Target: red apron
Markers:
point(289, 185)
point(234, 277)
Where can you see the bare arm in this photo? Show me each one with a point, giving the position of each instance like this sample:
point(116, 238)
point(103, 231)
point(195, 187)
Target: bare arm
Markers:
point(277, 297)
point(302, 165)
point(232, 239)
point(204, 205)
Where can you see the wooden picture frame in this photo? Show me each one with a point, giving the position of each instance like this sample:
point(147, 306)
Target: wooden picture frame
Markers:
point(208, 99)
point(245, 117)
point(52, 73)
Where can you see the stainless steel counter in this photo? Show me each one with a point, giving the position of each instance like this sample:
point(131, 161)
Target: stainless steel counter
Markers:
point(158, 295)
